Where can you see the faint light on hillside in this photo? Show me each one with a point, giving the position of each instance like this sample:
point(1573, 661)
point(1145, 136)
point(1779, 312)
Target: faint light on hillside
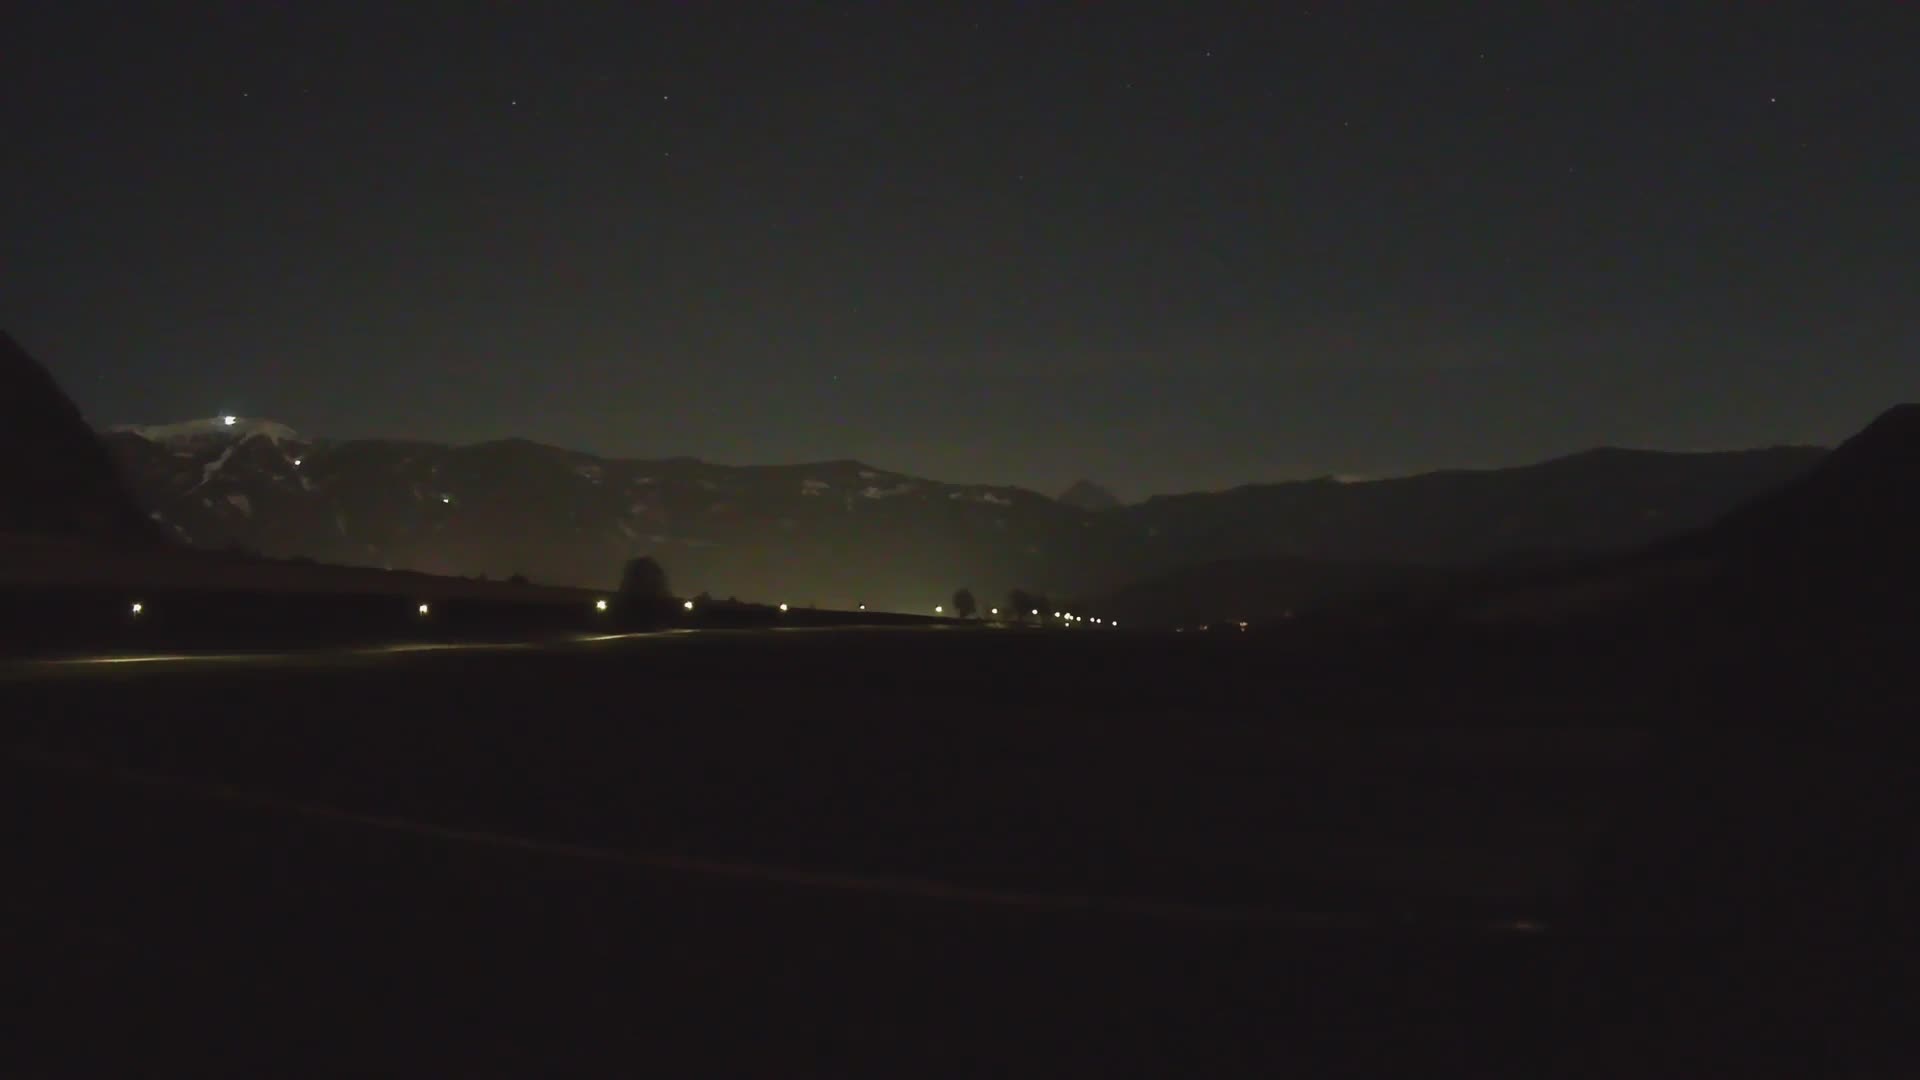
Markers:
point(229, 420)
point(296, 462)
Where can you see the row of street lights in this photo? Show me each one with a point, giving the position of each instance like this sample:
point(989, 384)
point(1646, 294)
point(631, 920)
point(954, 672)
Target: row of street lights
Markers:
point(138, 608)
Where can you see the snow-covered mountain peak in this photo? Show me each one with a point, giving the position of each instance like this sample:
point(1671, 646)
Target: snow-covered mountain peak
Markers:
point(213, 428)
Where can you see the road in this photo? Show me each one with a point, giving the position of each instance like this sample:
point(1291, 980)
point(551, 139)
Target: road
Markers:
point(989, 856)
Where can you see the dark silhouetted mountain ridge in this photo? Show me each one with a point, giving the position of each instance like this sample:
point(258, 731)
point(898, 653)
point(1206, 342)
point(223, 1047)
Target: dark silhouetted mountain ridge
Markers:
point(840, 533)
point(1087, 495)
point(58, 480)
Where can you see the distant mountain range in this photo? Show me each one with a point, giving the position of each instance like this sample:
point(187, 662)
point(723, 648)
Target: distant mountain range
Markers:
point(840, 533)
point(1790, 529)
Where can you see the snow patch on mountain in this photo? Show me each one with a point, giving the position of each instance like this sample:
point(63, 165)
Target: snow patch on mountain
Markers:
point(212, 468)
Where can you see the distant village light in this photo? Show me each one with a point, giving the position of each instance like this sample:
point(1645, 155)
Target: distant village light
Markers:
point(599, 605)
point(138, 607)
point(229, 420)
point(688, 605)
point(426, 609)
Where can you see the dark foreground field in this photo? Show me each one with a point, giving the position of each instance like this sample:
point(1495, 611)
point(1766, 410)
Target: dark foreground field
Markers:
point(928, 853)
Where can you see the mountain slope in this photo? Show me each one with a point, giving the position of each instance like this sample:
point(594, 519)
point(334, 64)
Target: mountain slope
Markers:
point(1859, 506)
point(1832, 546)
point(58, 480)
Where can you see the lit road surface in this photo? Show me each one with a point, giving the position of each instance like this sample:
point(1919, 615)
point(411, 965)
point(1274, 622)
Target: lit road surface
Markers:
point(126, 663)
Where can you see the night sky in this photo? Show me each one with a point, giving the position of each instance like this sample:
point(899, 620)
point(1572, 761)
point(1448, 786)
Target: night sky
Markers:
point(1014, 243)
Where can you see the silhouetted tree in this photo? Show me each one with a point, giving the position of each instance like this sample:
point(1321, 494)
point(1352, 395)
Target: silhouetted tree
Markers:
point(1021, 604)
point(963, 604)
point(643, 580)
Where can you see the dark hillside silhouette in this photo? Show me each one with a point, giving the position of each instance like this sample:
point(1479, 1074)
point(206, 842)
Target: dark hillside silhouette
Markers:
point(1859, 507)
point(57, 478)
point(1260, 590)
